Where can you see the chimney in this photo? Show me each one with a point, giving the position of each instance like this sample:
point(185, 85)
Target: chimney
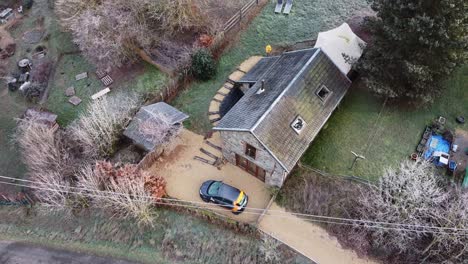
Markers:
point(262, 88)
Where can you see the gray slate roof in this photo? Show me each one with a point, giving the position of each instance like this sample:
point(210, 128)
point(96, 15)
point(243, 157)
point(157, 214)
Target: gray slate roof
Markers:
point(255, 74)
point(173, 115)
point(291, 84)
point(151, 113)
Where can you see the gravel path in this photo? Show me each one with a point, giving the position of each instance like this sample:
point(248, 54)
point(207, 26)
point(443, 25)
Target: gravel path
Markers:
point(309, 239)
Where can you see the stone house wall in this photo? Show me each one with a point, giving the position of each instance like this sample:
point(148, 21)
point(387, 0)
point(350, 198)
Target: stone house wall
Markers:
point(234, 142)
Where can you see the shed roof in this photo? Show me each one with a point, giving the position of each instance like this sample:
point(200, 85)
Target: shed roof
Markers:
point(152, 113)
point(291, 84)
point(173, 115)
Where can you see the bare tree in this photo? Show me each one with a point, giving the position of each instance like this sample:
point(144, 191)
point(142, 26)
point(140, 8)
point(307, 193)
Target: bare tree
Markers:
point(69, 10)
point(408, 195)
point(49, 164)
point(450, 246)
point(100, 126)
point(124, 190)
point(113, 32)
point(178, 15)
point(434, 211)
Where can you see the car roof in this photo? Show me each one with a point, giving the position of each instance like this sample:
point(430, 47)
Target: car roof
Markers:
point(228, 192)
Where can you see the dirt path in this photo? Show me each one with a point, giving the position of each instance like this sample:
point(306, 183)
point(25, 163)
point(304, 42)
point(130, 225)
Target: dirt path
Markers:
point(307, 238)
point(22, 253)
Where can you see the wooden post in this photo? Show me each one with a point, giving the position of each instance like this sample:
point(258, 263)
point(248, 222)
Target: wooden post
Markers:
point(240, 16)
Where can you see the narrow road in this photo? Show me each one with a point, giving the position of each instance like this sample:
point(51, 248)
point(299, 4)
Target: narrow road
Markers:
point(307, 238)
point(23, 253)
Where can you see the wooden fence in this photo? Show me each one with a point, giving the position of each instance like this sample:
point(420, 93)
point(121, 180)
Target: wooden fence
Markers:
point(149, 159)
point(237, 19)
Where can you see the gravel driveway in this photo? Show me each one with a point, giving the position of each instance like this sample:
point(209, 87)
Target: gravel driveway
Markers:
point(307, 238)
point(184, 176)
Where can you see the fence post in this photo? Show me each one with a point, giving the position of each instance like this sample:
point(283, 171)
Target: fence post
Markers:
point(240, 16)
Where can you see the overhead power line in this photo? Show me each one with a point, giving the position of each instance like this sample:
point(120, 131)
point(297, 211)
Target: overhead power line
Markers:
point(257, 211)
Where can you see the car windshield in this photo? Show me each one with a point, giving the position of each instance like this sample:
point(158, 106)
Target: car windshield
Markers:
point(242, 202)
point(214, 188)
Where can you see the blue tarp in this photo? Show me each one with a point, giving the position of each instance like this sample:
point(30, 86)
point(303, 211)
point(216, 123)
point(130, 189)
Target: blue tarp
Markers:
point(436, 143)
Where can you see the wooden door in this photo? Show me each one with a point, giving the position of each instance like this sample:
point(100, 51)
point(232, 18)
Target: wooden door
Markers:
point(251, 167)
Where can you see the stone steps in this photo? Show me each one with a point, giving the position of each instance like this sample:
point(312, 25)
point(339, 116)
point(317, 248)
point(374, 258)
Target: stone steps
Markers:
point(244, 67)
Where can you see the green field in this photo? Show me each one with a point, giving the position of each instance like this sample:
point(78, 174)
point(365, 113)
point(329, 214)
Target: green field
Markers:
point(392, 137)
point(385, 140)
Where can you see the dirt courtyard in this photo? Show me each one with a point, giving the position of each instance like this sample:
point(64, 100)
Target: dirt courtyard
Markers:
point(184, 176)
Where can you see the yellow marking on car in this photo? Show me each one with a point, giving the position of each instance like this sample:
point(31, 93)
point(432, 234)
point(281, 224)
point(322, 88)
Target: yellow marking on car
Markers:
point(239, 199)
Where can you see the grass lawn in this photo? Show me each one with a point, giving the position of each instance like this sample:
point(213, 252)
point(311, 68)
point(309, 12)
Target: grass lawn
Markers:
point(66, 69)
point(392, 139)
point(144, 79)
point(307, 18)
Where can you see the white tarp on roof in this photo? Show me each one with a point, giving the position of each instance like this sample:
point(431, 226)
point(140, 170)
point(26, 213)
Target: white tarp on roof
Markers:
point(339, 41)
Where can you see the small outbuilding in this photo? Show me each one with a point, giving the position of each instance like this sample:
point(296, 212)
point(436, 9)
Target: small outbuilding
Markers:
point(151, 125)
point(287, 100)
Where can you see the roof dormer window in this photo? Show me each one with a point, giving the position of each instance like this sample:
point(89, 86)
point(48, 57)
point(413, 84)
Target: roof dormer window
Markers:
point(323, 93)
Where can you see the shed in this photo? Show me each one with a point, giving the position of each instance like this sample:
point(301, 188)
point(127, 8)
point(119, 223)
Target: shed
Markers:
point(139, 129)
point(273, 124)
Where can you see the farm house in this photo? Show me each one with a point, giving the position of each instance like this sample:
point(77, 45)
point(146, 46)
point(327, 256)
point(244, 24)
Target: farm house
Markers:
point(287, 100)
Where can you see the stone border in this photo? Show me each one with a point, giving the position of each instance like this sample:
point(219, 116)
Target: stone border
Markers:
point(213, 110)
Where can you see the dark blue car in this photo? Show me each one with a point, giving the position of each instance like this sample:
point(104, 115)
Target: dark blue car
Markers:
point(225, 195)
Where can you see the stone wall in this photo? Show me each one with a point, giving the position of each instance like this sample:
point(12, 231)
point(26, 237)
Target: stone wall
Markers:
point(234, 142)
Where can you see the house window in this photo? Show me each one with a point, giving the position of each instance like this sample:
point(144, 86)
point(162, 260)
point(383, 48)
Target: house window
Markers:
point(298, 124)
point(250, 151)
point(323, 93)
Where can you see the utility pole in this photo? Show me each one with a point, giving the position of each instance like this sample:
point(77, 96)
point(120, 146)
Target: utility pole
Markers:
point(356, 157)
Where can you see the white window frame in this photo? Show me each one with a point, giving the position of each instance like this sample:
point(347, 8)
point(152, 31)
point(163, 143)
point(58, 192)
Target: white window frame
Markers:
point(304, 124)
